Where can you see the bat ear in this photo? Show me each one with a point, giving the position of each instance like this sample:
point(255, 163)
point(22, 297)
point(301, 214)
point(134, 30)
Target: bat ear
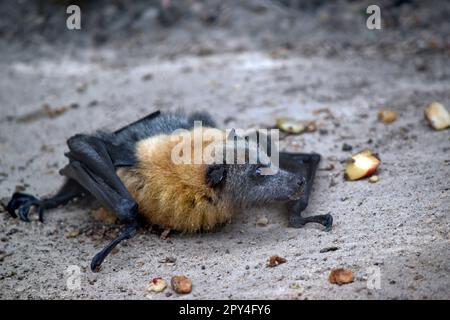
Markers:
point(232, 135)
point(215, 174)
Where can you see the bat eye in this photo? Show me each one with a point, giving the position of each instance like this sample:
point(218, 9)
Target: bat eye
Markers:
point(215, 174)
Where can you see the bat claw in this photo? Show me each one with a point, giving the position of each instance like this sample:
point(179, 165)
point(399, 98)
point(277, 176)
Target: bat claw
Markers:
point(97, 261)
point(297, 221)
point(23, 213)
point(328, 222)
point(23, 202)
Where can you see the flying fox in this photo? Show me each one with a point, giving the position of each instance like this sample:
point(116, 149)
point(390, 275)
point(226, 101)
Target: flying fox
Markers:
point(132, 174)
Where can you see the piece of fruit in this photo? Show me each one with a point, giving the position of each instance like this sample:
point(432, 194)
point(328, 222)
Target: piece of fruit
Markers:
point(290, 126)
point(340, 276)
point(374, 179)
point(437, 116)
point(73, 234)
point(294, 286)
point(156, 285)
point(361, 165)
point(387, 116)
point(263, 221)
point(181, 284)
point(275, 260)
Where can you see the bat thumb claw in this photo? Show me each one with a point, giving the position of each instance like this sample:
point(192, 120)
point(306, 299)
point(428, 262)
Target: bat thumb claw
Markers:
point(97, 262)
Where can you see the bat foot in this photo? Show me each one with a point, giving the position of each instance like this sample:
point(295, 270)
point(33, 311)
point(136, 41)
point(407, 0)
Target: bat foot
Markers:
point(128, 232)
point(297, 221)
point(22, 203)
point(328, 222)
point(97, 261)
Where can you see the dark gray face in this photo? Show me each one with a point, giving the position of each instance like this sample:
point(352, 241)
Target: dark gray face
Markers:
point(245, 185)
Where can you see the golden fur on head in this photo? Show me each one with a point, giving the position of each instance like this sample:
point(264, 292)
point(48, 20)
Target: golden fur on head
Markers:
point(171, 195)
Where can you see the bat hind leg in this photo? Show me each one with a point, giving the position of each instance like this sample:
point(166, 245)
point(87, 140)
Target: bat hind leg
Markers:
point(310, 162)
point(127, 233)
point(92, 166)
point(23, 202)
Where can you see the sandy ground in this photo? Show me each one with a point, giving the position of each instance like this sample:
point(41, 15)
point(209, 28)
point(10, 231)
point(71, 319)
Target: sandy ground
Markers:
point(398, 227)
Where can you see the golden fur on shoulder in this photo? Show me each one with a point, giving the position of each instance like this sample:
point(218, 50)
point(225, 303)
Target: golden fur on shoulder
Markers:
point(171, 195)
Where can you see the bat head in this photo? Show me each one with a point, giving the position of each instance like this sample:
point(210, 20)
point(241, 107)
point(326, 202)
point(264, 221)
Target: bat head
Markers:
point(254, 179)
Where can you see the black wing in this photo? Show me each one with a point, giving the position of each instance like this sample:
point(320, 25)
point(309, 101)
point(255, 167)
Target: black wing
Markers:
point(140, 121)
point(93, 163)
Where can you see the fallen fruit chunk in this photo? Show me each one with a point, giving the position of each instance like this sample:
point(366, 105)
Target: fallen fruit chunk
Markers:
point(73, 234)
point(374, 179)
point(387, 116)
point(361, 165)
point(156, 285)
point(290, 126)
point(181, 284)
point(275, 260)
point(295, 127)
point(341, 276)
point(437, 116)
point(263, 221)
point(294, 286)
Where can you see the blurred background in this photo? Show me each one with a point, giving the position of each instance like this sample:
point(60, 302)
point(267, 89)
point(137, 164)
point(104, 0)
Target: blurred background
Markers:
point(169, 28)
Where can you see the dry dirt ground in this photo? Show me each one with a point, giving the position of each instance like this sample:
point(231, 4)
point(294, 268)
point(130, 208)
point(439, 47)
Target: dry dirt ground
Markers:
point(280, 63)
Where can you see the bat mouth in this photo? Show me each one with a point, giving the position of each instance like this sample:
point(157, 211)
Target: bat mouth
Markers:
point(296, 195)
point(292, 197)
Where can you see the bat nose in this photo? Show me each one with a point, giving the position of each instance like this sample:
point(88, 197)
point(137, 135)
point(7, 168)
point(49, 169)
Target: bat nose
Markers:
point(301, 181)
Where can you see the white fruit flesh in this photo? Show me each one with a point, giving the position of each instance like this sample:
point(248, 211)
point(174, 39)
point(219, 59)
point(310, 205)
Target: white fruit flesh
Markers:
point(437, 116)
point(290, 126)
point(361, 165)
point(156, 285)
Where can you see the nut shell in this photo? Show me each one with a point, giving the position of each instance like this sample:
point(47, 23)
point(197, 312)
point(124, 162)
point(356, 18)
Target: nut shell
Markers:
point(181, 284)
point(341, 276)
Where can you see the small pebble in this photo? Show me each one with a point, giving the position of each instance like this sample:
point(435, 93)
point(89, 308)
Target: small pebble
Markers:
point(346, 147)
